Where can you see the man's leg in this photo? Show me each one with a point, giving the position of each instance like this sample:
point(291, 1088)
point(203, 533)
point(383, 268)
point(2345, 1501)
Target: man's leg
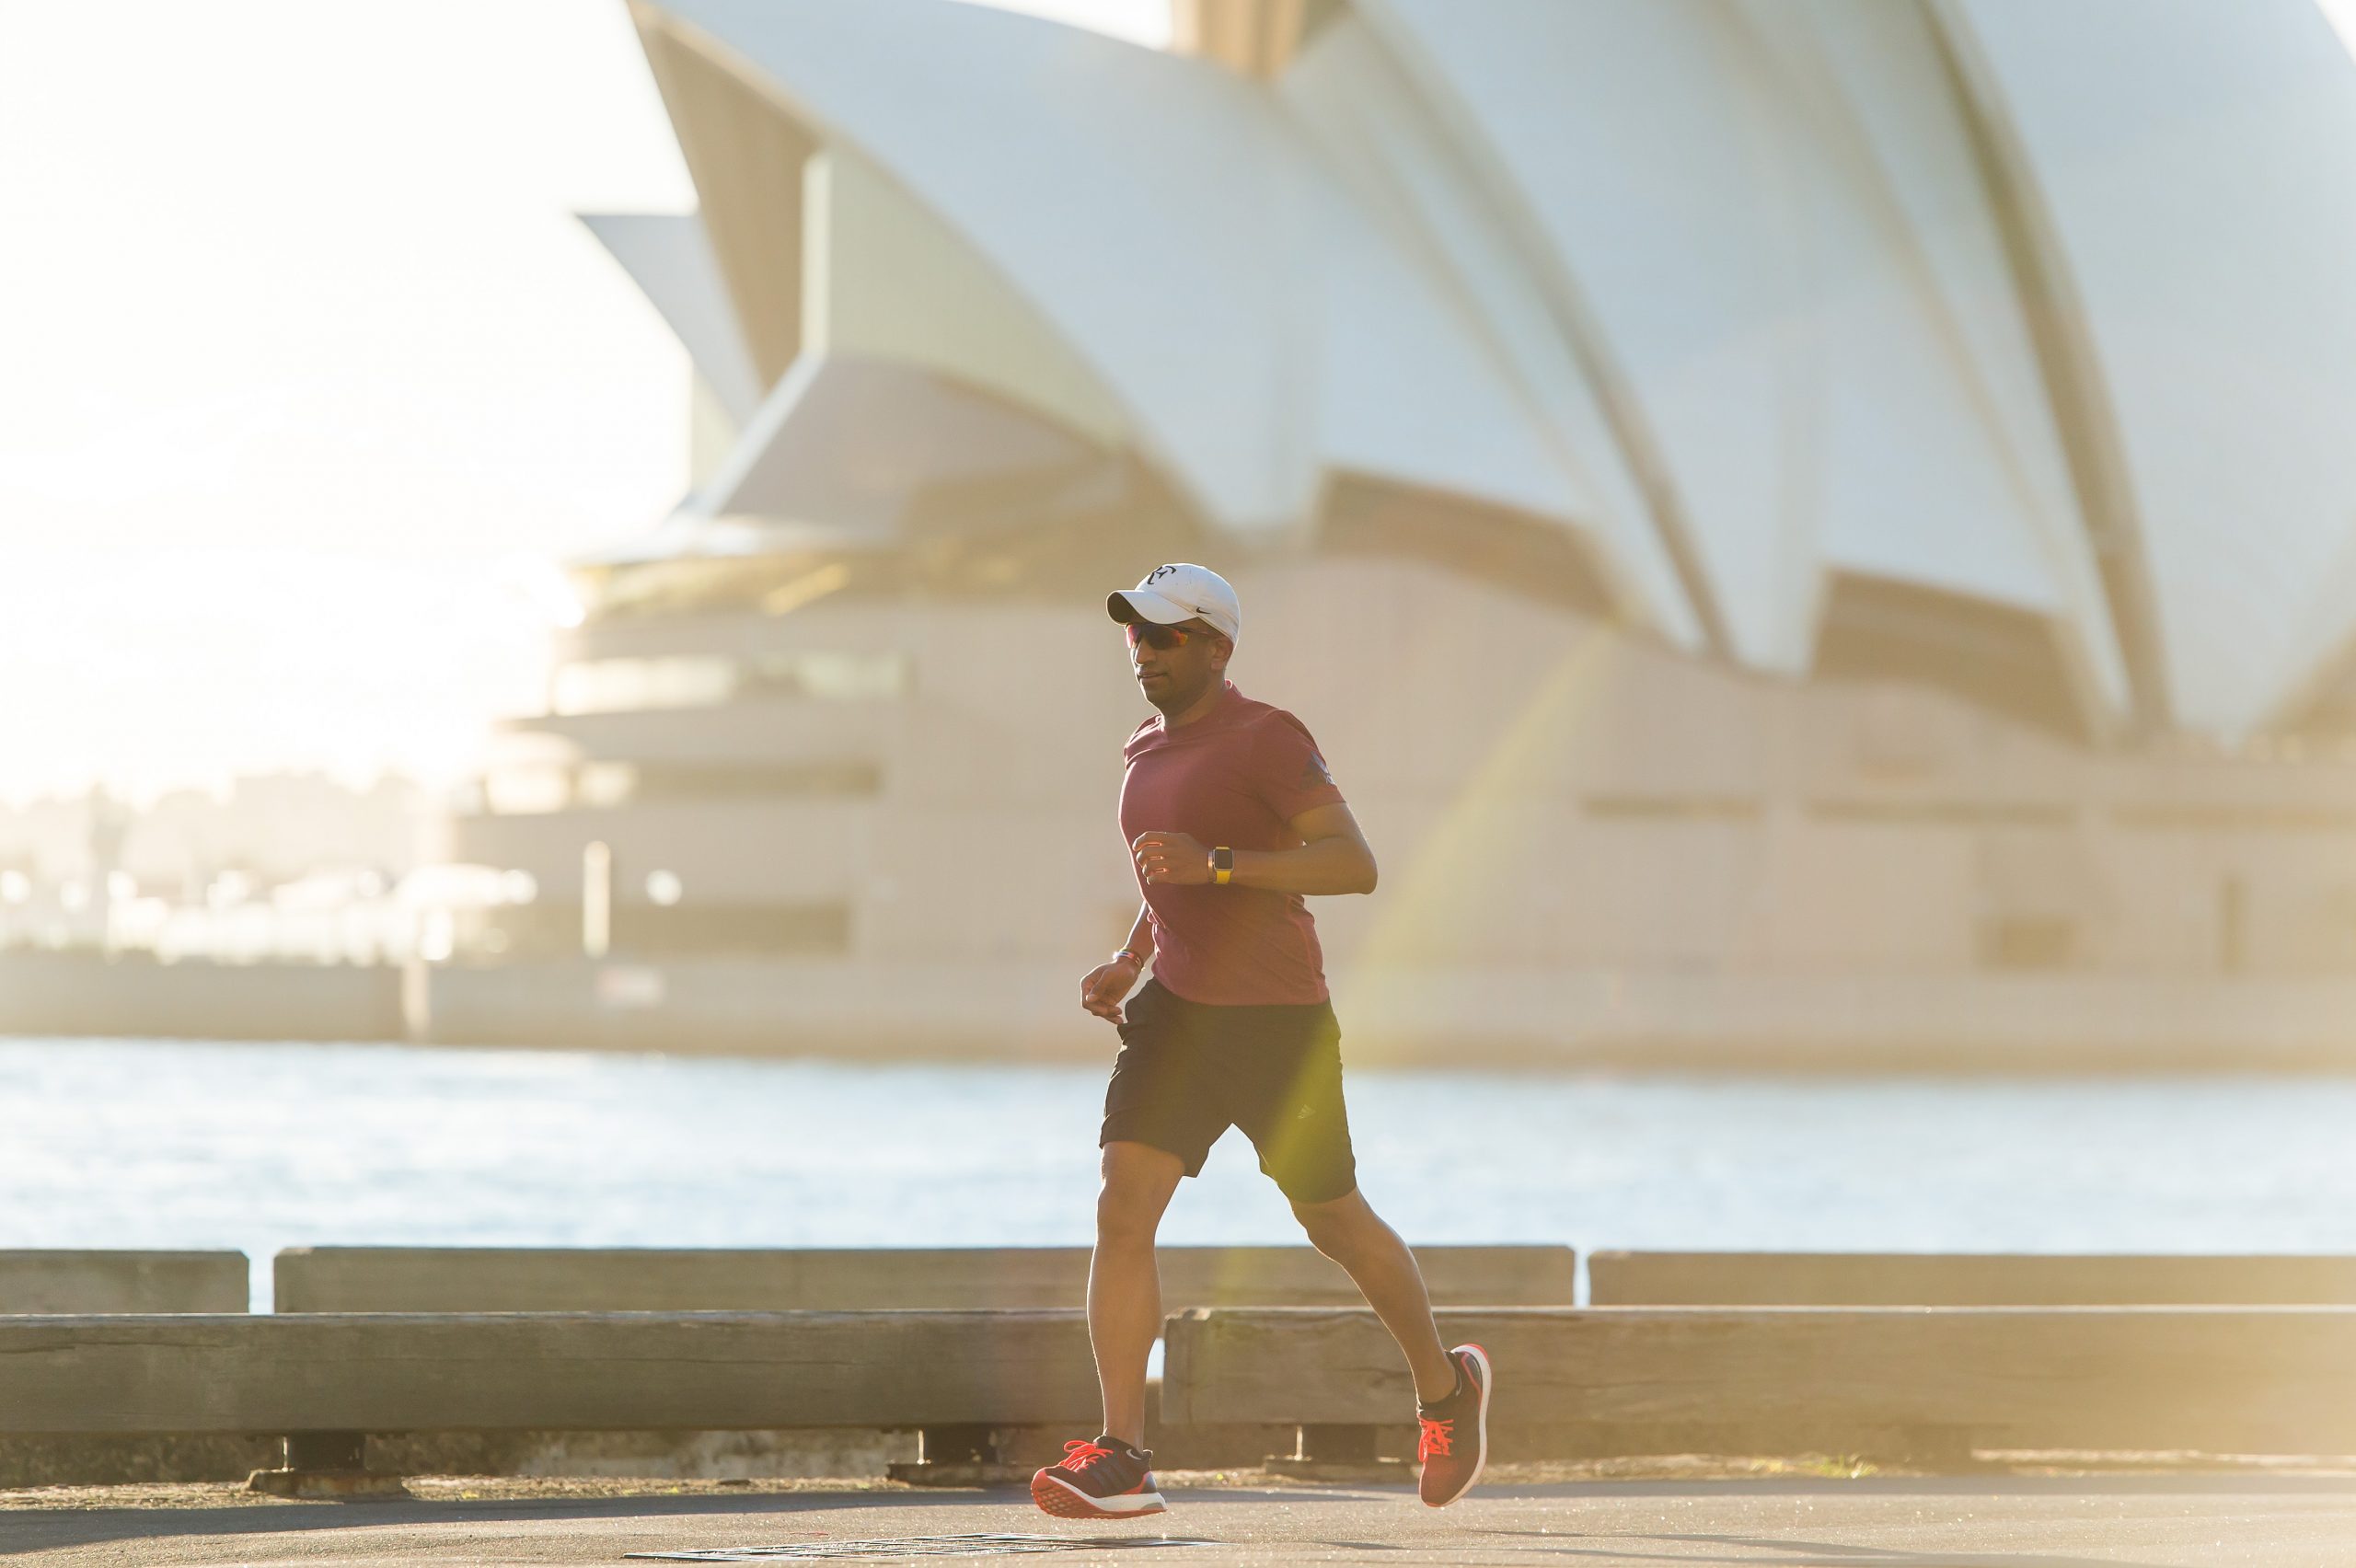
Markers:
point(1348, 1231)
point(1124, 1288)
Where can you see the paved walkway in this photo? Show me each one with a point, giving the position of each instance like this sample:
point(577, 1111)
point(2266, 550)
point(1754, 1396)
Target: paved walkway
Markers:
point(2132, 1521)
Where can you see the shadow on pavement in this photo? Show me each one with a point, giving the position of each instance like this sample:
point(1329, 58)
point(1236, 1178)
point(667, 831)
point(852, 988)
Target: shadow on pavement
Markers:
point(38, 1529)
point(44, 1529)
point(1759, 1550)
point(2130, 1485)
point(30, 1531)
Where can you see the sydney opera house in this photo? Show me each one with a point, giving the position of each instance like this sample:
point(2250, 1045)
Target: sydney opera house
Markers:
point(1801, 526)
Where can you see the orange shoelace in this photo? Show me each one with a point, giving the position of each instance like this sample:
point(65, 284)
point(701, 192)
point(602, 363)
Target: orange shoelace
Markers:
point(1080, 1453)
point(1435, 1438)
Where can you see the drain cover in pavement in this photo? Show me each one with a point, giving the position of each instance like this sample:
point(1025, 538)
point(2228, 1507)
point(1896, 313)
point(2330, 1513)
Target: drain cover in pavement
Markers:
point(915, 1545)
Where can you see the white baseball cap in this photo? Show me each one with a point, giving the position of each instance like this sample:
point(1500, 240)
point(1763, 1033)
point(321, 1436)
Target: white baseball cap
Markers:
point(1179, 591)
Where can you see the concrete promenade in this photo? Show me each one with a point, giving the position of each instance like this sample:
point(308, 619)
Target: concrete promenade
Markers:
point(2084, 1521)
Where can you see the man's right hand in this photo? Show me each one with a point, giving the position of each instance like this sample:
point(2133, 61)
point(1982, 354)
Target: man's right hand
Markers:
point(1106, 985)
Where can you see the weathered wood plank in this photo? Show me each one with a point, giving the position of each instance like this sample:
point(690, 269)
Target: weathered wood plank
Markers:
point(2251, 1379)
point(574, 1371)
point(96, 1280)
point(496, 1279)
point(1905, 1279)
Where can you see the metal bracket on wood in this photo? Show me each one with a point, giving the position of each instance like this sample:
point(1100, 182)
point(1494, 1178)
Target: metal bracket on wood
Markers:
point(1346, 1453)
point(961, 1455)
point(326, 1464)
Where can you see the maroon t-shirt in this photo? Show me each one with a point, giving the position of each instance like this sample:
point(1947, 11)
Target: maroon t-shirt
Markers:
point(1236, 776)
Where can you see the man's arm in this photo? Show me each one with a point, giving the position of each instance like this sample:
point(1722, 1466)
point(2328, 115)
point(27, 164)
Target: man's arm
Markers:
point(1333, 857)
point(1141, 941)
point(1102, 991)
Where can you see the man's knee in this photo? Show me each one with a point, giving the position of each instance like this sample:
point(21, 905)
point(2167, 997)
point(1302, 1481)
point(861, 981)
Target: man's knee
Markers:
point(1341, 1229)
point(1138, 1185)
point(1126, 1214)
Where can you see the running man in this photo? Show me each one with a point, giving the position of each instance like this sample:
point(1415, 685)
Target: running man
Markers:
point(1232, 818)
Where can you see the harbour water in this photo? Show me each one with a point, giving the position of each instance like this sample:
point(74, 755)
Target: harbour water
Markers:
point(170, 1145)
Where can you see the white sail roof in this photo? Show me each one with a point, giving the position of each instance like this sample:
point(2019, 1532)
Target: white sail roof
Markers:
point(668, 257)
point(1715, 191)
point(1175, 225)
point(2043, 309)
point(2196, 164)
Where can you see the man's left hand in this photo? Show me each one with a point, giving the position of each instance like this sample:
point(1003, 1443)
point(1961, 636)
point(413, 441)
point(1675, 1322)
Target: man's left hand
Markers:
point(1175, 859)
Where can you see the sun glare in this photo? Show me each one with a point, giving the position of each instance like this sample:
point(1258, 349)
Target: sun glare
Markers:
point(265, 496)
point(2341, 14)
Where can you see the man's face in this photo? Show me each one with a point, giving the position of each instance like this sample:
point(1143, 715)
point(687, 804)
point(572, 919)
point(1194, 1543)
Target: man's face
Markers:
point(1175, 664)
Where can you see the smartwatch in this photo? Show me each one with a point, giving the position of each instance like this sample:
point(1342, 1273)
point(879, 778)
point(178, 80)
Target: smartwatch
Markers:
point(1223, 865)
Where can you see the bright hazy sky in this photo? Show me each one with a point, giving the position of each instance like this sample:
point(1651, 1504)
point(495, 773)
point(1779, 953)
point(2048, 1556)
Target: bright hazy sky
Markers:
point(307, 373)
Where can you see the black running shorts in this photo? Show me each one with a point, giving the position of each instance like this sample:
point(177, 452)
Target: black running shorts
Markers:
point(1188, 1071)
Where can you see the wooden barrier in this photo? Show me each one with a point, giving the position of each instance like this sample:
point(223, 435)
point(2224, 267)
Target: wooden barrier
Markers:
point(466, 1279)
point(1926, 1279)
point(1929, 1382)
point(99, 1281)
point(323, 1380)
point(540, 1279)
point(354, 1279)
point(580, 1371)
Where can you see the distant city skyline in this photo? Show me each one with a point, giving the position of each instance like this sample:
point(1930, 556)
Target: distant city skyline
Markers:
point(311, 375)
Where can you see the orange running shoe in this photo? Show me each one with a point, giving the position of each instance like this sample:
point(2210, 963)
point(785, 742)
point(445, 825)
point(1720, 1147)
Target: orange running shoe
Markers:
point(1454, 1443)
point(1103, 1479)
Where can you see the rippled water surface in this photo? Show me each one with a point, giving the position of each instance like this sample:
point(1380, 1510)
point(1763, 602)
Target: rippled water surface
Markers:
point(153, 1144)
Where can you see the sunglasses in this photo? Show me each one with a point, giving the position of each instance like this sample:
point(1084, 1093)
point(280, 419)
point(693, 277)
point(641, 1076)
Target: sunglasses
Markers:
point(1163, 638)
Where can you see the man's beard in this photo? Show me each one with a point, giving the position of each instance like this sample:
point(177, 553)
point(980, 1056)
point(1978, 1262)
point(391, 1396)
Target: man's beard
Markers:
point(1169, 700)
